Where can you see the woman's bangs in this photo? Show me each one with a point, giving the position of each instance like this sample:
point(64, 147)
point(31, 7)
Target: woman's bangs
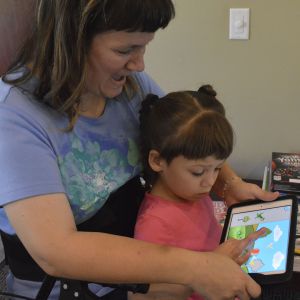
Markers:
point(143, 15)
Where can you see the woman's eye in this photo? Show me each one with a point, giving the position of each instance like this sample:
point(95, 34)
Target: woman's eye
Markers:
point(124, 52)
point(197, 174)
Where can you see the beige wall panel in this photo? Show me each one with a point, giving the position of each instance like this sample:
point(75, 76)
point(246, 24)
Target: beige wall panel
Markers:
point(258, 79)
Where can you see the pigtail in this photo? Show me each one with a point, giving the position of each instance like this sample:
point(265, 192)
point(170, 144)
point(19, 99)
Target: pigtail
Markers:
point(145, 138)
point(147, 105)
point(207, 97)
point(208, 90)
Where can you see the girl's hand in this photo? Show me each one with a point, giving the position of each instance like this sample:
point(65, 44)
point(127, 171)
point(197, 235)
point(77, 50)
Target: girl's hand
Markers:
point(240, 250)
point(238, 190)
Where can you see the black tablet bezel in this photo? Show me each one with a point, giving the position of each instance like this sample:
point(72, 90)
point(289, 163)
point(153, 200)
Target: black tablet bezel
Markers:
point(271, 278)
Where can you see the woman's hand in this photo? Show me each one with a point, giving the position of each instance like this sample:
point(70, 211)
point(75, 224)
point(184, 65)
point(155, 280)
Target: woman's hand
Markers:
point(223, 279)
point(238, 190)
point(240, 250)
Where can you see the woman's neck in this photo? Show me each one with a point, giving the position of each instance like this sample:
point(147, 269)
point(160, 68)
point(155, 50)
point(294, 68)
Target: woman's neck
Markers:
point(91, 105)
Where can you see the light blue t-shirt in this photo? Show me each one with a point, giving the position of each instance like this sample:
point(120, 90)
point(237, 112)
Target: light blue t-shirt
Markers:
point(37, 156)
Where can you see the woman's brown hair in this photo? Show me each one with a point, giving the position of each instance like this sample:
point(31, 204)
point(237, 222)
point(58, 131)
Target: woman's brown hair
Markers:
point(61, 36)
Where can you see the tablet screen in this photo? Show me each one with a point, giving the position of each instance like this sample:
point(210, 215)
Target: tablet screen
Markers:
point(269, 253)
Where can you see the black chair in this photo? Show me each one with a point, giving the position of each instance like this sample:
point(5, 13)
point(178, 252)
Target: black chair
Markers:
point(117, 217)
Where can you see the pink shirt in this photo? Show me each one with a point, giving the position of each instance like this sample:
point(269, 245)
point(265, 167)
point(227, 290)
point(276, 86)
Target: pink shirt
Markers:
point(190, 225)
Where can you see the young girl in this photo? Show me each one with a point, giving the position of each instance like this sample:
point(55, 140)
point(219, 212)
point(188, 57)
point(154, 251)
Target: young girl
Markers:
point(185, 140)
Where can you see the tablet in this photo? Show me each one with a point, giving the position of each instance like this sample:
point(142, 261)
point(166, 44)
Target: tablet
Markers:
point(272, 255)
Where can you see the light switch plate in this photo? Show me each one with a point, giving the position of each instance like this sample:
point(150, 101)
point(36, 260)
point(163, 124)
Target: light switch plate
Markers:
point(239, 23)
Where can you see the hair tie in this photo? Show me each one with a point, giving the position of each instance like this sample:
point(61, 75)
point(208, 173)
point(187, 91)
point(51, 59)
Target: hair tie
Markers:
point(148, 103)
point(208, 90)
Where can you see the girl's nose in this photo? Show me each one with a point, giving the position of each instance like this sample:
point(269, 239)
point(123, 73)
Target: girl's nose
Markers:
point(210, 179)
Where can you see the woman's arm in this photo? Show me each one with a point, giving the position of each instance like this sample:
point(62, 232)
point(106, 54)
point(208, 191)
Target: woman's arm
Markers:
point(238, 250)
point(161, 291)
point(233, 189)
point(46, 227)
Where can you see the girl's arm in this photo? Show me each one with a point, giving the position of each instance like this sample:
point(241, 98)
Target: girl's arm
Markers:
point(233, 189)
point(46, 227)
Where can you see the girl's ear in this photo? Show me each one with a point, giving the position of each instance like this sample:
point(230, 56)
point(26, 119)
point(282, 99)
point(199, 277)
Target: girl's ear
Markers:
point(155, 161)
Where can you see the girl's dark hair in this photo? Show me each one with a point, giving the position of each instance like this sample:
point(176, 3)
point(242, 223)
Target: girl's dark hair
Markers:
point(187, 123)
point(208, 98)
point(61, 36)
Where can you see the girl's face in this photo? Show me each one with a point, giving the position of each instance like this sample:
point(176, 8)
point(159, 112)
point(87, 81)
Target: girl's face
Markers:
point(185, 179)
point(113, 56)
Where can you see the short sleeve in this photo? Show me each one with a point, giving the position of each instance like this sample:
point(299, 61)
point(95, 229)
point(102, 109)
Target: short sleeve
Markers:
point(153, 229)
point(28, 161)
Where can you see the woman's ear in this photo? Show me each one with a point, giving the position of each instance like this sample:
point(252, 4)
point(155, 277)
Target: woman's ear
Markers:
point(155, 161)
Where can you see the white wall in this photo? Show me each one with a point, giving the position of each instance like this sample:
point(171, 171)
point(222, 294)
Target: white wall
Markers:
point(257, 80)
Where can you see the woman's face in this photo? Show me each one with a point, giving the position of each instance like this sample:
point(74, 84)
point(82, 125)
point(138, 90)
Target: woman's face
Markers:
point(113, 56)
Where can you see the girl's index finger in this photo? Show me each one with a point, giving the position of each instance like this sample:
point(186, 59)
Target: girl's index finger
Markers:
point(251, 238)
point(258, 234)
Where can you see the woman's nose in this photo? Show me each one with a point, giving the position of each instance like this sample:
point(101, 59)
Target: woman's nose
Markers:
point(136, 62)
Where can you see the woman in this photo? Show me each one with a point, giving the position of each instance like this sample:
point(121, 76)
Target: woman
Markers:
point(69, 119)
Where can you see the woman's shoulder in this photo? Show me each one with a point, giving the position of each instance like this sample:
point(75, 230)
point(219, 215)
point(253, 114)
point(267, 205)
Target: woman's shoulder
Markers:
point(146, 84)
point(13, 96)
point(20, 103)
